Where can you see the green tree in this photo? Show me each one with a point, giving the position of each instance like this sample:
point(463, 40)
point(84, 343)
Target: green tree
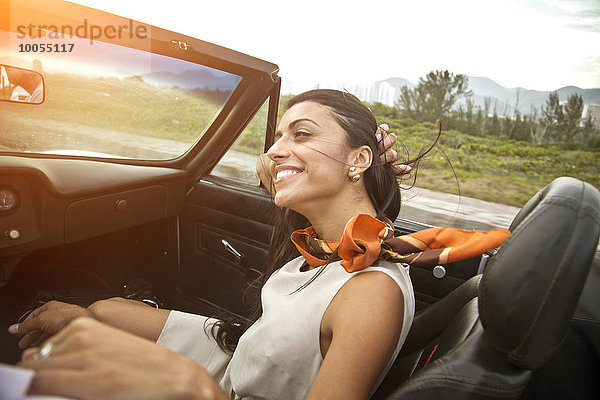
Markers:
point(521, 128)
point(573, 111)
point(469, 117)
point(588, 130)
point(493, 127)
point(383, 110)
point(507, 126)
point(435, 95)
point(443, 88)
point(406, 101)
point(537, 129)
point(553, 117)
point(479, 122)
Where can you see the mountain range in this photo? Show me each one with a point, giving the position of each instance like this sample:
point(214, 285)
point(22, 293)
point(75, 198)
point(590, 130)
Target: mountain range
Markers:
point(504, 99)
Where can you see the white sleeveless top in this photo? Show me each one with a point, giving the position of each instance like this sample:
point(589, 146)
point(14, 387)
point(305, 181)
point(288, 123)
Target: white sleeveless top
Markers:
point(279, 356)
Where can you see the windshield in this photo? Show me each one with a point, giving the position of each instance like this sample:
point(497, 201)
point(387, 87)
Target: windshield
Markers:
point(106, 100)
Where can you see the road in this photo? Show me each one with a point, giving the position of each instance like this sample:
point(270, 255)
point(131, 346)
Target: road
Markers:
point(444, 209)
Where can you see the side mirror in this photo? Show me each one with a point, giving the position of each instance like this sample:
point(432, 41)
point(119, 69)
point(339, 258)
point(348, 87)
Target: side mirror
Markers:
point(19, 85)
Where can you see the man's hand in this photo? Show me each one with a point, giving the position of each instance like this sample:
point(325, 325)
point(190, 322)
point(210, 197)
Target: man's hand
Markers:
point(91, 360)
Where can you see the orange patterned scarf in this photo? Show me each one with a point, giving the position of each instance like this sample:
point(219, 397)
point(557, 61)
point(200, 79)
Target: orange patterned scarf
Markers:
point(367, 239)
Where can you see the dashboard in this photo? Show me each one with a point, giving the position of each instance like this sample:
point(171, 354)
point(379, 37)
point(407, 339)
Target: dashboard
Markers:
point(50, 202)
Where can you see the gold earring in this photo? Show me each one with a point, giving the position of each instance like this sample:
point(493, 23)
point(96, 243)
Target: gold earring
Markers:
point(355, 178)
point(352, 169)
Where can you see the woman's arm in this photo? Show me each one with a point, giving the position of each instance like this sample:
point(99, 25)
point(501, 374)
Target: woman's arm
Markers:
point(364, 322)
point(130, 315)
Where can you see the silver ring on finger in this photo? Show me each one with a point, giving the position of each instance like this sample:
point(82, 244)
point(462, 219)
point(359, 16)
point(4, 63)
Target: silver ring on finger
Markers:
point(44, 352)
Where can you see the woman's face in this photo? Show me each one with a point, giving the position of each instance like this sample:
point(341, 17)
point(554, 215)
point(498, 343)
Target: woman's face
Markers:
point(310, 158)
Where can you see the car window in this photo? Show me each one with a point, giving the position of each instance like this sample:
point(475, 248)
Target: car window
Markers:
point(107, 100)
point(239, 163)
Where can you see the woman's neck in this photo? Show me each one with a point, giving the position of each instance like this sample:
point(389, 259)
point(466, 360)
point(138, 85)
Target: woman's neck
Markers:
point(330, 223)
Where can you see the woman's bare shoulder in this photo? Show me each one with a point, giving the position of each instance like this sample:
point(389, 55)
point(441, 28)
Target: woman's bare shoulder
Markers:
point(366, 296)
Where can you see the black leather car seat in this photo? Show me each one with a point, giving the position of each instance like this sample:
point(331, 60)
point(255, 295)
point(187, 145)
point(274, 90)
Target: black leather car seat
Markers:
point(526, 299)
point(434, 331)
point(573, 373)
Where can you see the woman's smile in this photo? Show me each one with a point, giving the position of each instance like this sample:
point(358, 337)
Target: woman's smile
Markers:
point(284, 172)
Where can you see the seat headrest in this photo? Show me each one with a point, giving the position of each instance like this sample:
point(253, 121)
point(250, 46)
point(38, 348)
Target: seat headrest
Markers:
point(530, 288)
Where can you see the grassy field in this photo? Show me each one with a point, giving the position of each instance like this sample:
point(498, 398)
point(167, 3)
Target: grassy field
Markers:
point(126, 105)
point(491, 168)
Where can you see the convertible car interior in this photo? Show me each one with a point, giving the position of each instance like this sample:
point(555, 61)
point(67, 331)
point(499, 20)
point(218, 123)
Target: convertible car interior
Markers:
point(129, 170)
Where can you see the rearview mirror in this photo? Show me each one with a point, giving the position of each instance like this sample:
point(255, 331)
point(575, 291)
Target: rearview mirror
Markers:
point(19, 85)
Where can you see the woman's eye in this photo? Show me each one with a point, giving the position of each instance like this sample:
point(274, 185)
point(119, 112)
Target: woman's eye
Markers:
point(302, 133)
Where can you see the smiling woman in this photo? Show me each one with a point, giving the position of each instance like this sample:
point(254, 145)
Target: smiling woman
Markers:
point(347, 300)
point(315, 162)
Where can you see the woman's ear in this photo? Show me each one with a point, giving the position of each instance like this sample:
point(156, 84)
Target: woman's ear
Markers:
point(362, 159)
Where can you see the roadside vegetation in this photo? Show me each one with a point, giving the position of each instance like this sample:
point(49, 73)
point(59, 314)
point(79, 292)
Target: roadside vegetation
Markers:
point(504, 159)
point(443, 95)
point(496, 169)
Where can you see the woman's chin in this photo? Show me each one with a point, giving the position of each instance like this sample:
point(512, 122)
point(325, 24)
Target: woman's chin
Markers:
point(283, 201)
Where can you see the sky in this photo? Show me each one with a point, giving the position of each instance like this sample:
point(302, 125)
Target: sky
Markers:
point(534, 44)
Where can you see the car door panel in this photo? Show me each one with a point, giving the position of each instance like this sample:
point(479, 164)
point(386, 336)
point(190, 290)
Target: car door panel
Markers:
point(225, 230)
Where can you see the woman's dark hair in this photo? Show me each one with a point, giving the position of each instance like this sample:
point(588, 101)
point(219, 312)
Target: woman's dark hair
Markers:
point(379, 179)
